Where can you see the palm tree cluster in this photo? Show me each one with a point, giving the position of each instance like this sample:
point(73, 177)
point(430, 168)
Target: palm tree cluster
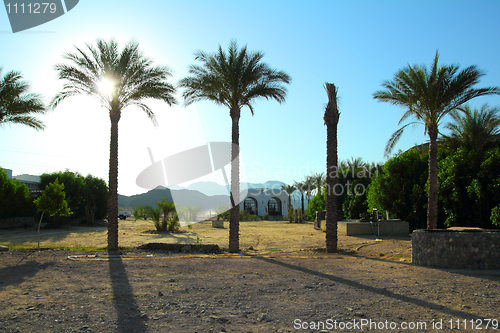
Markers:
point(235, 79)
point(428, 95)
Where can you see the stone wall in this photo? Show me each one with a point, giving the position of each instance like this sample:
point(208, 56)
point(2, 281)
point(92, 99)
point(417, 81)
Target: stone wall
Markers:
point(456, 249)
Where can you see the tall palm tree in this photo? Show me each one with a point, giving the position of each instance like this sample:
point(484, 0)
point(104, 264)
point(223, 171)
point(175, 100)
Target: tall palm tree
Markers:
point(331, 119)
point(289, 189)
point(302, 188)
point(477, 129)
point(308, 186)
point(318, 179)
point(17, 106)
point(234, 79)
point(428, 96)
point(130, 79)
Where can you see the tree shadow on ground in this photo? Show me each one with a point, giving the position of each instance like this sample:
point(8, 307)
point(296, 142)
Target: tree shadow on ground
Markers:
point(129, 315)
point(16, 274)
point(493, 275)
point(380, 291)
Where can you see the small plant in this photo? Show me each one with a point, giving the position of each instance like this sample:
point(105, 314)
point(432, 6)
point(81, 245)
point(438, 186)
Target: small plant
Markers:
point(265, 217)
point(290, 214)
point(222, 212)
point(154, 214)
point(244, 215)
point(198, 240)
point(495, 215)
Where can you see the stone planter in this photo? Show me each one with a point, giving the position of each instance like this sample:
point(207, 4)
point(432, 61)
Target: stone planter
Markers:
point(218, 224)
point(469, 249)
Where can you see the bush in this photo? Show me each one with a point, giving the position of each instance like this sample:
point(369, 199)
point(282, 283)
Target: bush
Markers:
point(223, 212)
point(495, 215)
point(400, 188)
point(244, 215)
point(316, 203)
point(15, 200)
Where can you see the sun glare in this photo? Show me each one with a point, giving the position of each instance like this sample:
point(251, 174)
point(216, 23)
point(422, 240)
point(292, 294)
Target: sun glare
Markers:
point(106, 86)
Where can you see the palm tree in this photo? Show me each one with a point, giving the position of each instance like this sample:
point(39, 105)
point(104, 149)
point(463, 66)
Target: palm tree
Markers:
point(16, 105)
point(308, 186)
point(288, 189)
point(331, 118)
point(130, 79)
point(428, 96)
point(302, 188)
point(475, 129)
point(318, 180)
point(168, 207)
point(234, 79)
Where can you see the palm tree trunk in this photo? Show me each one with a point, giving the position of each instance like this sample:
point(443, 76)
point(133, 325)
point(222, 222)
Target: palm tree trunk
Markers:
point(331, 120)
point(302, 212)
point(234, 220)
point(113, 186)
point(432, 204)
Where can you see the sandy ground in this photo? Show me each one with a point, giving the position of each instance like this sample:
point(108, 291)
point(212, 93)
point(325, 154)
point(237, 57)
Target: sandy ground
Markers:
point(262, 236)
point(280, 286)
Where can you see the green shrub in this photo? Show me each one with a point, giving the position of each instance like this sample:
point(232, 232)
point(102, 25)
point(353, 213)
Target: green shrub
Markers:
point(244, 215)
point(495, 215)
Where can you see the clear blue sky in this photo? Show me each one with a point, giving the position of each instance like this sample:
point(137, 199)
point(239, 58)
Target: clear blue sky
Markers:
point(354, 44)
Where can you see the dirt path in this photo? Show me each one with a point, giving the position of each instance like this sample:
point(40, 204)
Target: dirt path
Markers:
point(154, 292)
point(280, 286)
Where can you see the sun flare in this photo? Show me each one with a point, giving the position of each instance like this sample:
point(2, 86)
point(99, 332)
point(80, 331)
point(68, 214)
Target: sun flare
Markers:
point(106, 86)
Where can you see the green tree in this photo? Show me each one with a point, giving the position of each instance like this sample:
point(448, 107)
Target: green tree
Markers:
point(469, 187)
point(140, 212)
point(17, 106)
point(477, 129)
point(52, 201)
point(354, 176)
point(15, 198)
point(428, 96)
point(190, 213)
point(132, 79)
point(95, 198)
point(234, 79)
point(317, 203)
point(399, 188)
point(331, 119)
point(74, 188)
point(495, 215)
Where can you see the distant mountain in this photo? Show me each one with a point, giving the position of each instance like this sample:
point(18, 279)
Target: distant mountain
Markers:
point(211, 188)
point(181, 197)
point(208, 188)
point(268, 184)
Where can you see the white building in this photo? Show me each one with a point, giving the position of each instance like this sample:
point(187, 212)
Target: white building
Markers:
point(256, 202)
point(32, 182)
point(9, 173)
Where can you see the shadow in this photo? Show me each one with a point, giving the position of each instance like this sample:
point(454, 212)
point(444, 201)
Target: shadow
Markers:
point(380, 291)
point(23, 236)
point(16, 274)
point(129, 315)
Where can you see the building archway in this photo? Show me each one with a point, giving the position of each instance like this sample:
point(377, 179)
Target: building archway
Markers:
point(250, 205)
point(274, 206)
